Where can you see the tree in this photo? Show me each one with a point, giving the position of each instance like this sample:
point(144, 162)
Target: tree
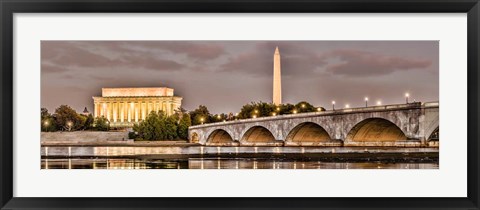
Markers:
point(182, 128)
point(285, 109)
point(101, 124)
point(47, 122)
point(257, 109)
point(200, 115)
point(219, 117)
point(304, 106)
point(67, 119)
point(262, 109)
point(88, 125)
point(83, 120)
point(170, 128)
point(157, 126)
point(180, 110)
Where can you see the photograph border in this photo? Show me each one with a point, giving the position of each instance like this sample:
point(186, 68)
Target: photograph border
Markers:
point(10, 7)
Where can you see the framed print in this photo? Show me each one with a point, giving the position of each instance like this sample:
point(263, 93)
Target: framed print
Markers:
point(239, 105)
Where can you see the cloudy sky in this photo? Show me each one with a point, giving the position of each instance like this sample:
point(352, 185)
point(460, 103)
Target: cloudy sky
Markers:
point(224, 75)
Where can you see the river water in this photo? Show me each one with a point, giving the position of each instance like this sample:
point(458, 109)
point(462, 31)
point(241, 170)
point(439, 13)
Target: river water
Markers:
point(222, 163)
point(200, 157)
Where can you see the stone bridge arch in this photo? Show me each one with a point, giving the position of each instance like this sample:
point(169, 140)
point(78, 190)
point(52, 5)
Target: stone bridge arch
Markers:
point(219, 137)
point(434, 135)
point(324, 122)
point(257, 135)
point(274, 127)
point(401, 120)
point(431, 127)
point(218, 132)
point(307, 131)
point(375, 129)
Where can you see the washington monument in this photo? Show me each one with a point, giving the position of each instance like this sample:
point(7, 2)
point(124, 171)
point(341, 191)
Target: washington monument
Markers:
point(277, 78)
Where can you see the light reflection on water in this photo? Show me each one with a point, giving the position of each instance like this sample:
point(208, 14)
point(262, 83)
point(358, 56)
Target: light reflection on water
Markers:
point(218, 163)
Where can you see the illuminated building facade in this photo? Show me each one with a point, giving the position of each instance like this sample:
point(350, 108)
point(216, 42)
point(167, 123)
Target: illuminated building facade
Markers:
point(125, 106)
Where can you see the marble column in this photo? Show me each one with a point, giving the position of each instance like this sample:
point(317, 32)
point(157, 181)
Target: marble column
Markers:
point(136, 110)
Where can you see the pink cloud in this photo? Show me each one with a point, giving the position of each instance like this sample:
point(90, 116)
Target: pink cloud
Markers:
point(362, 63)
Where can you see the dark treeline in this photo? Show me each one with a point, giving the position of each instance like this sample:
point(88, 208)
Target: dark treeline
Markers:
point(201, 115)
point(159, 126)
point(67, 119)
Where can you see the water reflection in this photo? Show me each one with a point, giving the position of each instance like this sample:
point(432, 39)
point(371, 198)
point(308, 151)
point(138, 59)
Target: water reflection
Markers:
point(218, 163)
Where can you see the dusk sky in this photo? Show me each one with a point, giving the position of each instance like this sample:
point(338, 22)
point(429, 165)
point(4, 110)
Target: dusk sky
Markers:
point(225, 75)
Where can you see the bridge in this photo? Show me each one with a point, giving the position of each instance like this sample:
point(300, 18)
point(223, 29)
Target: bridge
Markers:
point(403, 125)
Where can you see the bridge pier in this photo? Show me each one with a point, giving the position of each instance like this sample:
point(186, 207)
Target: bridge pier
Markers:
point(330, 143)
point(225, 144)
point(263, 144)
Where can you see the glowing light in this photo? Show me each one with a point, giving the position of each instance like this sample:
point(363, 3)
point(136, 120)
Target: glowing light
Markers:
point(347, 106)
point(278, 108)
point(256, 111)
point(219, 117)
point(407, 94)
point(274, 114)
point(294, 111)
point(379, 102)
point(303, 105)
point(254, 116)
point(45, 123)
point(319, 109)
point(333, 102)
point(366, 98)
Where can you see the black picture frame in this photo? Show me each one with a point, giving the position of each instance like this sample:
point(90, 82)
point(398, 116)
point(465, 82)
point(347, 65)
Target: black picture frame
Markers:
point(10, 7)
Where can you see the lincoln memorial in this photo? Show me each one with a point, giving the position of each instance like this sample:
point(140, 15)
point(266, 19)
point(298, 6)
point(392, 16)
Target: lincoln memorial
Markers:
point(125, 106)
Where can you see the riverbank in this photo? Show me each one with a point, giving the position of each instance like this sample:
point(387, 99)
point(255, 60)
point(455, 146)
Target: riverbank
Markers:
point(125, 143)
point(197, 151)
point(414, 157)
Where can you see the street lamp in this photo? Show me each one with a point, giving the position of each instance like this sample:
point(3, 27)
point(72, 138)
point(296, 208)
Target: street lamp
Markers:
point(254, 116)
point(406, 97)
point(294, 111)
point(201, 120)
point(278, 108)
point(274, 114)
point(333, 105)
point(45, 124)
point(256, 111)
point(319, 109)
point(379, 103)
point(303, 105)
point(347, 106)
point(366, 101)
point(69, 125)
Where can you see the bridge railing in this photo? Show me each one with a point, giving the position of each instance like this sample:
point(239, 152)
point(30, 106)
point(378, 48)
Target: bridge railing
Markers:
point(431, 104)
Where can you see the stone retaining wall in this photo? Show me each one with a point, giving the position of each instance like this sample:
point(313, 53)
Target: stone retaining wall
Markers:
point(85, 136)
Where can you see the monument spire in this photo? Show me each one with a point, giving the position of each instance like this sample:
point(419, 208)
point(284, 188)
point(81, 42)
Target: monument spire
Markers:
point(277, 78)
